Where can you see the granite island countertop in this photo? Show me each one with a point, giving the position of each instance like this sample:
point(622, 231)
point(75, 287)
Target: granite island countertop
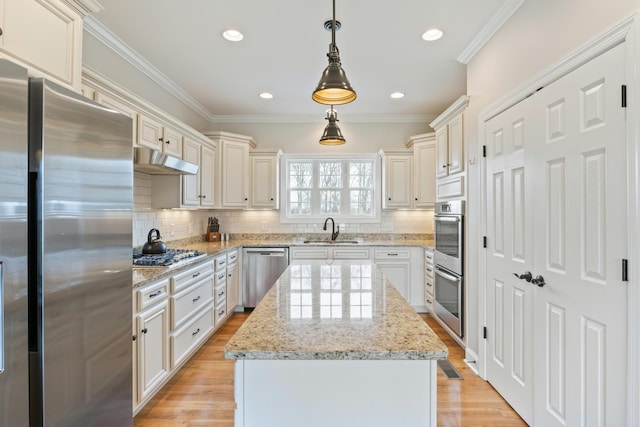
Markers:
point(143, 276)
point(334, 310)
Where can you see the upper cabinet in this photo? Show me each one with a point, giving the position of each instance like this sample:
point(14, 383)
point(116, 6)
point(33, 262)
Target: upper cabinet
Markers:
point(45, 36)
point(153, 134)
point(264, 188)
point(232, 178)
point(397, 182)
point(424, 169)
point(449, 127)
point(117, 104)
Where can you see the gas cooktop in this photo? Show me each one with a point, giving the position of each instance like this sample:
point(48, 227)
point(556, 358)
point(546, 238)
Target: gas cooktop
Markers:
point(170, 259)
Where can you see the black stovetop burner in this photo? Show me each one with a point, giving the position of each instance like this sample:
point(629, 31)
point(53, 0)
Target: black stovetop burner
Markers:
point(170, 259)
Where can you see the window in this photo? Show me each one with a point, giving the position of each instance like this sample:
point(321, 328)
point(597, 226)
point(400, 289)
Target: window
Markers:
point(342, 188)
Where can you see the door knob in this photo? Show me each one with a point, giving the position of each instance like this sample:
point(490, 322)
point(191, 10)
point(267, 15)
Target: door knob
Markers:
point(539, 280)
point(526, 276)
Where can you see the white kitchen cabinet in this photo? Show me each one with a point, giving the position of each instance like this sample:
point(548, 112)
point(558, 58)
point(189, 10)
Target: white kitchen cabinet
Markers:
point(187, 191)
point(45, 36)
point(152, 339)
point(404, 266)
point(153, 134)
point(233, 169)
point(329, 253)
point(429, 284)
point(233, 281)
point(424, 170)
point(264, 191)
point(397, 181)
point(121, 106)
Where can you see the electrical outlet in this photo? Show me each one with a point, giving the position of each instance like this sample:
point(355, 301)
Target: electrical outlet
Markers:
point(264, 226)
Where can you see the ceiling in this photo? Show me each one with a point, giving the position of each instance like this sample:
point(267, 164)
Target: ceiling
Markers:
point(285, 46)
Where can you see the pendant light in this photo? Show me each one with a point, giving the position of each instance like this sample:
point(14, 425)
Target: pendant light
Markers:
point(332, 134)
point(334, 87)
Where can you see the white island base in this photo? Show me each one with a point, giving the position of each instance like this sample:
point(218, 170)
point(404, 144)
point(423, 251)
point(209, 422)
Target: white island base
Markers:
point(336, 393)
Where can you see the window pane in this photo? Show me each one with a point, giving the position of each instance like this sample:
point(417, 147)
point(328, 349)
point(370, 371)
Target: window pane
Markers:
point(300, 202)
point(360, 174)
point(330, 201)
point(330, 175)
point(360, 202)
point(300, 175)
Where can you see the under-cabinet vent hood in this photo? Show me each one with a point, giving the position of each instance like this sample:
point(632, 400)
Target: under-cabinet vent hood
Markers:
point(154, 162)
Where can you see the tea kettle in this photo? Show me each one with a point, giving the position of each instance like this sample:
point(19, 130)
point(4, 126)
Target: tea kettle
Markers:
point(154, 244)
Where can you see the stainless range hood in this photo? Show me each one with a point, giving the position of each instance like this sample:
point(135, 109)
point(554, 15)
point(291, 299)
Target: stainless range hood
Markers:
point(154, 162)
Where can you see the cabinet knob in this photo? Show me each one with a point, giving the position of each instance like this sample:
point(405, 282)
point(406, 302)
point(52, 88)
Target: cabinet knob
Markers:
point(444, 166)
point(245, 199)
point(144, 331)
point(135, 336)
point(161, 139)
point(204, 197)
point(168, 142)
point(0, 31)
point(389, 198)
point(416, 199)
point(272, 199)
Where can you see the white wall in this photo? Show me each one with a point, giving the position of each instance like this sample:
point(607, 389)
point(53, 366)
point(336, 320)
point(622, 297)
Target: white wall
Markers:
point(539, 34)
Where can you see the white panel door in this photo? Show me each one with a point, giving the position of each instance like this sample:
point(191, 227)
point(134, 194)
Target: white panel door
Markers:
point(579, 209)
point(510, 255)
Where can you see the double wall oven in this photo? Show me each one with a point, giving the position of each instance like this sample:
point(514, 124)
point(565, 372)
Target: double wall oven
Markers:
point(449, 266)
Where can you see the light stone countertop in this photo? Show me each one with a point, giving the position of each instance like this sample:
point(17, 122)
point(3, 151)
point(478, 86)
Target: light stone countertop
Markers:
point(143, 276)
point(334, 310)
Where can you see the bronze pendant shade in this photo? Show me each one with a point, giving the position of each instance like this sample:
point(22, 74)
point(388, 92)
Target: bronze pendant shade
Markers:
point(332, 134)
point(334, 87)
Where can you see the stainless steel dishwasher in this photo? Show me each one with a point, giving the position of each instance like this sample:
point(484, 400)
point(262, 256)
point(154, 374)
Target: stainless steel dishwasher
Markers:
point(261, 268)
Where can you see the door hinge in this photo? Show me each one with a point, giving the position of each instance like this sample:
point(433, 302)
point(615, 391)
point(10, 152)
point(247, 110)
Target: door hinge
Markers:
point(484, 332)
point(484, 241)
point(624, 96)
point(625, 270)
point(484, 151)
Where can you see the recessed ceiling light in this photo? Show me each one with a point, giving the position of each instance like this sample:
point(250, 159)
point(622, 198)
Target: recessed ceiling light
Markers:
point(432, 34)
point(232, 35)
point(266, 95)
point(397, 95)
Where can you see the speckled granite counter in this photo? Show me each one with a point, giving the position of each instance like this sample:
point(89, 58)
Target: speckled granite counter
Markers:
point(334, 310)
point(142, 276)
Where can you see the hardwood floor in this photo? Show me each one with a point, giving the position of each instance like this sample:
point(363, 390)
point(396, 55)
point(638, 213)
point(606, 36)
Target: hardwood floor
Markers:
point(201, 393)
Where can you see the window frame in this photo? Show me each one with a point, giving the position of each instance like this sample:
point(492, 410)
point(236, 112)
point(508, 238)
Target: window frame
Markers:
point(316, 215)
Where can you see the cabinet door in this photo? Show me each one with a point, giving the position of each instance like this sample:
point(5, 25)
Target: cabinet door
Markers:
point(207, 161)
point(45, 37)
point(120, 106)
point(235, 175)
point(442, 152)
point(153, 349)
point(398, 182)
point(233, 287)
point(399, 273)
point(456, 148)
point(172, 142)
point(150, 133)
point(424, 164)
point(191, 183)
point(264, 182)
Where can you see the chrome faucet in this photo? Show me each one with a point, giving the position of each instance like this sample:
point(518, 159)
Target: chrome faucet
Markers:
point(334, 233)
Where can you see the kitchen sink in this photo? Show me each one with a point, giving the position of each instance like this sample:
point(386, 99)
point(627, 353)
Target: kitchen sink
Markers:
point(333, 242)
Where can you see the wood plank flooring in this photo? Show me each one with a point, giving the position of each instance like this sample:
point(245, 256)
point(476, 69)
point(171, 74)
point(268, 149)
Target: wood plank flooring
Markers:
point(201, 393)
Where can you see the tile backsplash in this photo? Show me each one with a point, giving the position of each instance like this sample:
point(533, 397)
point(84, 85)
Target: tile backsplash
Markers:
point(176, 224)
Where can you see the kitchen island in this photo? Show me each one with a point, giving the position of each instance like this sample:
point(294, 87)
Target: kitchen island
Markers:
point(334, 344)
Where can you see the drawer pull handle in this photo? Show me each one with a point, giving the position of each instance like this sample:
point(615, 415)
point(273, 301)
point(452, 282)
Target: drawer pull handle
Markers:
point(392, 254)
point(197, 274)
point(197, 298)
point(144, 331)
point(221, 312)
point(428, 301)
point(155, 294)
point(220, 293)
point(196, 332)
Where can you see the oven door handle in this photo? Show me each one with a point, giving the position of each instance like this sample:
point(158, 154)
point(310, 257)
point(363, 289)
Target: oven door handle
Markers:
point(447, 218)
point(447, 276)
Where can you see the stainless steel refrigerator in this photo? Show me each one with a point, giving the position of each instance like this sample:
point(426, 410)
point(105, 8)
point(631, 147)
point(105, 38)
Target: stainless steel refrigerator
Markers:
point(66, 189)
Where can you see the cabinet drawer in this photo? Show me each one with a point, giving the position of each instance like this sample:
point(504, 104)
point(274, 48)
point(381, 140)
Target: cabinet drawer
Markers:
point(221, 262)
point(309, 253)
point(428, 270)
point(221, 277)
point(392, 253)
point(184, 340)
point(191, 300)
point(428, 285)
point(187, 278)
point(232, 257)
point(220, 294)
point(428, 256)
point(152, 294)
point(221, 312)
point(351, 253)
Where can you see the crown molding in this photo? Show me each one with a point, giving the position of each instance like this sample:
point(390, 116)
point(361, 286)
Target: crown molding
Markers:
point(84, 7)
point(454, 109)
point(314, 118)
point(117, 45)
point(507, 9)
point(415, 139)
